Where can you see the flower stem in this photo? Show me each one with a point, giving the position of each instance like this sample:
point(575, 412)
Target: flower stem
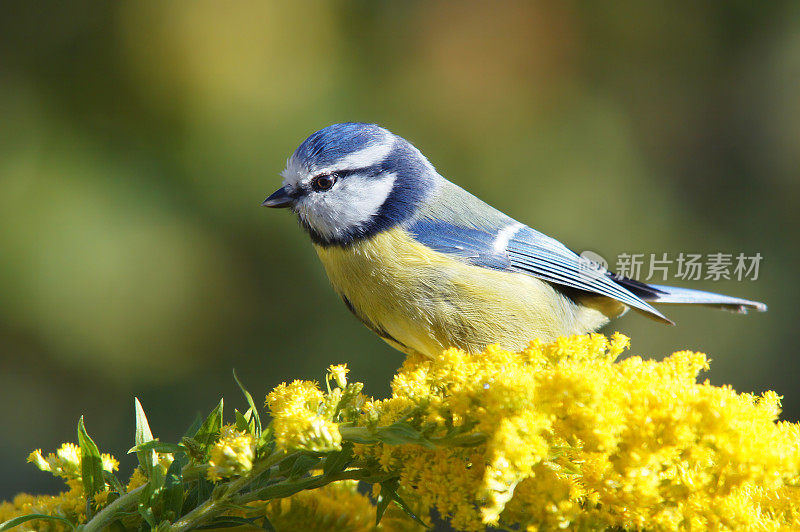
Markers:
point(111, 512)
point(289, 488)
point(213, 506)
point(358, 434)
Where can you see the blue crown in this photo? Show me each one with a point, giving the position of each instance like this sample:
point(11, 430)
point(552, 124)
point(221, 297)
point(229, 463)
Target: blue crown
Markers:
point(333, 142)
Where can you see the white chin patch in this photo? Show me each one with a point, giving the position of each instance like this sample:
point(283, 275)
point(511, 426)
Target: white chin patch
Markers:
point(349, 205)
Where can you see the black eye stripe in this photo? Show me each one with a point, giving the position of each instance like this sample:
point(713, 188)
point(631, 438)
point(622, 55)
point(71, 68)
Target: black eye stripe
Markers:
point(345, 173)
point(308, 186)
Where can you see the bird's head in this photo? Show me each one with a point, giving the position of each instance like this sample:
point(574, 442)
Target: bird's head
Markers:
point(352, 180)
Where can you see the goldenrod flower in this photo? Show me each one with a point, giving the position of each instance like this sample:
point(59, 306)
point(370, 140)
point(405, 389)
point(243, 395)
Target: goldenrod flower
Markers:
point(138, 478)
point(574, 439)
point(101, 498)
point(307, 431)
point(110, 463)
point(232, 454)
point(558, 436)
point(296, 396)
point(302, 417)
point(66, 462)
point(70, 505)
point(338, 506)
point(339, 374)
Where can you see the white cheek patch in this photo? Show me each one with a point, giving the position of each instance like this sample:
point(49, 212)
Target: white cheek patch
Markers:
point(348, 206)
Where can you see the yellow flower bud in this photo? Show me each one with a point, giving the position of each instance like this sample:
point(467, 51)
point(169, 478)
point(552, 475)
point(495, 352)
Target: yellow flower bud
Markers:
point(232, 454)
point(339, 374)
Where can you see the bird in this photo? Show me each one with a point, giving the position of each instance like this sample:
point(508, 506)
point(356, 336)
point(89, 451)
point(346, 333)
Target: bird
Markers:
point(428, 266)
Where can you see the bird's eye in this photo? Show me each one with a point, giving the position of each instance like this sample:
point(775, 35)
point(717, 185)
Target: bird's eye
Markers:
point(323, 182)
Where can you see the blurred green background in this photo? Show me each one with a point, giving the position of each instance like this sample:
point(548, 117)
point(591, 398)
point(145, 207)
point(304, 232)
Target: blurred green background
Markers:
point(138, 139)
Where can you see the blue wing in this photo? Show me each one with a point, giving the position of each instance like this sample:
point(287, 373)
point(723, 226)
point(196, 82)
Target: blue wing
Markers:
point(507, 245)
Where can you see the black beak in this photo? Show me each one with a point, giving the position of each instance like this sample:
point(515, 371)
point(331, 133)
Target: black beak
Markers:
point(279, 198)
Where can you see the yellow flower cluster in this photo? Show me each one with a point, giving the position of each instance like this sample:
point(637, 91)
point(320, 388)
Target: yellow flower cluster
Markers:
point(66, 462)
point(138, 478)
point(71, 504)
point(335, 507)
point(302, 417)
point(558, 436)
point(338, 373)
point(232, 454)
point(575, 440)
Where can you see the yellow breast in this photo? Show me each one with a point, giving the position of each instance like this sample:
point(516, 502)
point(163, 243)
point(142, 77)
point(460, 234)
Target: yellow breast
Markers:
point(420, 300)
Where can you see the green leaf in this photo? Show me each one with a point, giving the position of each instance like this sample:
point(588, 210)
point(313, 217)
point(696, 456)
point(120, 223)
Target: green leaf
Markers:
point(264, 479)
point(464, 440)
point(303, 464)
point(193, 448)
point(399, 433)
point(112, 480)
point(195, 426)
point(91, 463)
point(147, 514)
point(338, 460)
point(117, 526)
point(208, 433)
point(158, 446)
point(267, 525)
point(286, 489)
point(11, 523)
point(242, 422)
point(251, 403)
point(285, 465)
point(200, 491)
point(384, 499)
point(143, 435)
point(149, 497)
point(265, 442)
point(251, 420)
point(362, 435)
point(227, 521)
point(174, 493)
point(403, 506)
point(390, 488)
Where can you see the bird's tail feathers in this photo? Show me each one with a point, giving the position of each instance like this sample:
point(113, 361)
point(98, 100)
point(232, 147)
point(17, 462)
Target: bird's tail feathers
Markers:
point(687, 296)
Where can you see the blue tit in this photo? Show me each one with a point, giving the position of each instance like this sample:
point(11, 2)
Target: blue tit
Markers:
point(427, 265)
